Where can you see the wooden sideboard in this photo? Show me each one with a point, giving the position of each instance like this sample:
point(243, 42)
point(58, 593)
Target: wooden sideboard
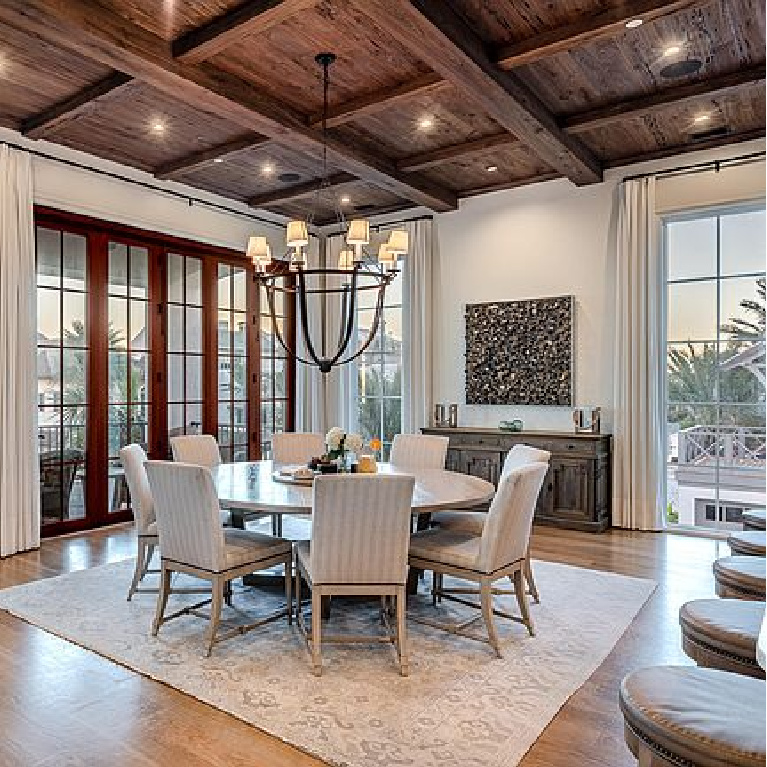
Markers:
point(577, 490)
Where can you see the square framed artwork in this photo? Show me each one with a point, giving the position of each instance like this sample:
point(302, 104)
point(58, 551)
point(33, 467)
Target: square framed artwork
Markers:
point(520, 352)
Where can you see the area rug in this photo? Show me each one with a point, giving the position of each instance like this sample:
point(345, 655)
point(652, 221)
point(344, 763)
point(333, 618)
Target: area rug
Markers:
point(460, 707)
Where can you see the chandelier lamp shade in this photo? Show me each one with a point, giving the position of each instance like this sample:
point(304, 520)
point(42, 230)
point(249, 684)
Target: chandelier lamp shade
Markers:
point(357, 274)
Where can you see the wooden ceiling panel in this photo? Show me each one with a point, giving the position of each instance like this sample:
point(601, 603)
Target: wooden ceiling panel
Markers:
point(242, 175)
point(120, 128)
point(508, 21)
point(466, 174)
point(397, 130)
point(364, 198)
point(34, 75)
point(724, 36)
point(281, 60)
point(739, 114)
point(170, 18)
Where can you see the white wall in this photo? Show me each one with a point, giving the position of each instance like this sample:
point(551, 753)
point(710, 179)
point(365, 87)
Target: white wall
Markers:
point(555, 239)
point(82, 191)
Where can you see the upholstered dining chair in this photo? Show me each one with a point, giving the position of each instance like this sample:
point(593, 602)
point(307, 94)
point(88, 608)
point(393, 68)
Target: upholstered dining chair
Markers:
point(474, 521)
point(192, 541)
point(133, 459)
point(358, 546)
point(499, 552)
point(419, 451)
point(199, 449)
point(296, 447)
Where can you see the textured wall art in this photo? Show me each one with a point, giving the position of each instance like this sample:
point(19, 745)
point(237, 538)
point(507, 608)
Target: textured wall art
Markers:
point(520, 352)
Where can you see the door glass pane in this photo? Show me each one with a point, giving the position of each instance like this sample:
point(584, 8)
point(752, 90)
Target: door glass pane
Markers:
point(716, 389)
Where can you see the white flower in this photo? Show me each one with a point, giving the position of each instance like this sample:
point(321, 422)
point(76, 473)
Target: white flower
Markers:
point(353, 442)
point(333, 438)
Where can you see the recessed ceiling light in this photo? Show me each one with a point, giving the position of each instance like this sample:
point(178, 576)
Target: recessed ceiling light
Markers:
point(634, 23)
point(491, 168)
point(267, 169)
point(672, 50)
point(158, 127)
point(704, 118)
point(426, 123)
point(345, 200)
point(218, 159)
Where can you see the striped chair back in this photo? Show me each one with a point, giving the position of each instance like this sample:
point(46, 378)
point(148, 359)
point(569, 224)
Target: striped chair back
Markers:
point(133, 459)
point(199, 449)
point(419, 451)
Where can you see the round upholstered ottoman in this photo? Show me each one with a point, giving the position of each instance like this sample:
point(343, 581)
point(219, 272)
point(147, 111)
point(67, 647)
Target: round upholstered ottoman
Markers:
point(697, 717)
point(750, 543)
point(740, 577)
point(722, 633)
point(754, 519)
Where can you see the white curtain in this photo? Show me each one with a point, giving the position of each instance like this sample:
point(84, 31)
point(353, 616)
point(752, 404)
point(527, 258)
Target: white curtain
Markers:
point(417, 286)
point(19, 469)
point(639, 486)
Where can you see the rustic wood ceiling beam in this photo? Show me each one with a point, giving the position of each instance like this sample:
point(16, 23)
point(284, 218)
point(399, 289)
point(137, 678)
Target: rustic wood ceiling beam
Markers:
point(439, 37)
point(205, 157)
point(652, 102)
point(250, 18)
point(380, 100)
point(299, 190)
point(455, 151)
point(607, 22)
point(102, 35)
point(48, 120)
point(691, 146)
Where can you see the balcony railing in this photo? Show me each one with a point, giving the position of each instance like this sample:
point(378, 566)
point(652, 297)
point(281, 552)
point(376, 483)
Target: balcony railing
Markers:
point(731, 446)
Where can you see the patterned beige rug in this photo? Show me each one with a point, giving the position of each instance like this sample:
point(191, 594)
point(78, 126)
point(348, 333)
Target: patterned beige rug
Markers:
point(461, 707)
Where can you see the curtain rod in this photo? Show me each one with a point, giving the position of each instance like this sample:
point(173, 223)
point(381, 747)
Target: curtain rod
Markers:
point(701, 167)
point(145, 184)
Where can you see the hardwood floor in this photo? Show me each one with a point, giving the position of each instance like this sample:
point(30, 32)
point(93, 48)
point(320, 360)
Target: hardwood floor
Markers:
point(61, 705)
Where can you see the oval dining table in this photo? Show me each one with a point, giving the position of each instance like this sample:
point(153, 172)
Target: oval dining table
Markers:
point(250, 486)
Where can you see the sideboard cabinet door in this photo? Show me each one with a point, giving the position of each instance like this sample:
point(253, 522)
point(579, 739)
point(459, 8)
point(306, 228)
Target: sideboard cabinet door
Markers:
point(486, 464)
point(573, 484)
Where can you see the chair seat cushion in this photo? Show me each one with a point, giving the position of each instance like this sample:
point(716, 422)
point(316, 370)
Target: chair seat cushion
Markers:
point(754, 519)
point(751, 543)
point(460, 549)
point(246, 546)
point(730, 625)
point(460, 521)
point(742, 574)
point(710, 718)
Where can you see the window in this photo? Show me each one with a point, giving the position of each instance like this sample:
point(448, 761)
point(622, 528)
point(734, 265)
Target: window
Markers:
point(379, 370)
point(141, 337)
point(62, 380)
point(233, 429)
point(715, 365)
point(276, 413)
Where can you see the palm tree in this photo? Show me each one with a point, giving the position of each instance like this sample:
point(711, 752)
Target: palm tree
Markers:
point(752, 327)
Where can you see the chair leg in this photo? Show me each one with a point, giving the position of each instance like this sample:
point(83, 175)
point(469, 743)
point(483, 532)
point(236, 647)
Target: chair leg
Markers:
point(140, 569)
point(150, 549)
point(434, 587)
point(486, 597)
point(404, 662)
point(521, 594)
point(162, 598)
point(228, 593)
point(218, 586)
point(530, 580)
point(316, 632)
point(289, 589)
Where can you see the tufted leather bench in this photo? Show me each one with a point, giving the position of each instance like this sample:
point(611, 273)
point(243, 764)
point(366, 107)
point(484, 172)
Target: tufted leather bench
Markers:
point(696, 717)
point(740, 577)
point(754, 519)
point(750, 543)
point(722, 633)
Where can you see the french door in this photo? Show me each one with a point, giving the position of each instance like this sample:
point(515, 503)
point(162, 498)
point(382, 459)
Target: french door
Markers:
point(140, 337)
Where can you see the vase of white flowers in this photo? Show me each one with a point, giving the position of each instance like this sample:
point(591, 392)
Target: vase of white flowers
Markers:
point(340, 445)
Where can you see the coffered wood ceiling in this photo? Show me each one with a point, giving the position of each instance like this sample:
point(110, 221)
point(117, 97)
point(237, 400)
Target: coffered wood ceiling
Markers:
point(430, 101)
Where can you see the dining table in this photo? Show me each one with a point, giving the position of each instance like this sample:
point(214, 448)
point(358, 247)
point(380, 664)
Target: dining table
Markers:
point(249, 487)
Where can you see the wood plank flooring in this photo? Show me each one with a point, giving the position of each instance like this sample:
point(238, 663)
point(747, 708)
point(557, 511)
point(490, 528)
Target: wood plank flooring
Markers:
point(62, 706)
